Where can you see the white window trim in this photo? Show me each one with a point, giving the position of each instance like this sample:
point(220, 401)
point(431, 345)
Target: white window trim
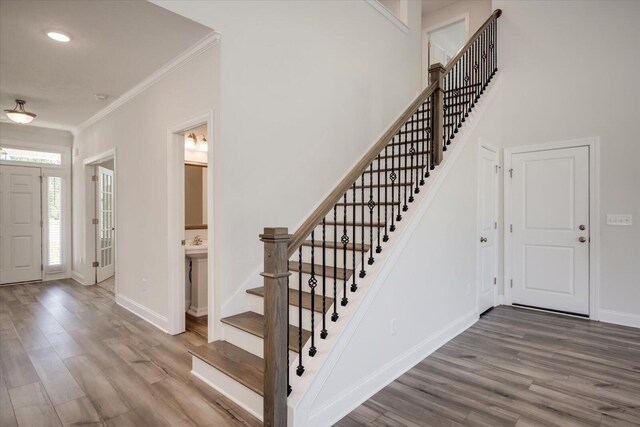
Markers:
point(390, 15)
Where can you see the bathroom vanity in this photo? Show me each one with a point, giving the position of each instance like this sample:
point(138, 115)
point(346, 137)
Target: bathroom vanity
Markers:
point(196, 283)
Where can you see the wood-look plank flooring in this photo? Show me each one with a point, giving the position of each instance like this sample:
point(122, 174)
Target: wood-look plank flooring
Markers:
point(518, 367)
point(70, 356)
point(197, 325)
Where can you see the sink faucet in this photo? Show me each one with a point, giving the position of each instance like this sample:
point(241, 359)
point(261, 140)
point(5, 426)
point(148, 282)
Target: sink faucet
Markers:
point(197, 240)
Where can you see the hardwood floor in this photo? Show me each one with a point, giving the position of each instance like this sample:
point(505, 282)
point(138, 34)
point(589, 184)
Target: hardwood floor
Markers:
point(197, 325)
point(70, 356)
point(518, 367)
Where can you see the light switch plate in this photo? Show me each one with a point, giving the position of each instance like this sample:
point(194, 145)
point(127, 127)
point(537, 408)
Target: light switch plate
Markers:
point(619, 220)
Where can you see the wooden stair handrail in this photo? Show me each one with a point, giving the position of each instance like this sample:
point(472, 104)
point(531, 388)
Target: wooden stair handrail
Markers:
point(495, 15)
point(334, 197)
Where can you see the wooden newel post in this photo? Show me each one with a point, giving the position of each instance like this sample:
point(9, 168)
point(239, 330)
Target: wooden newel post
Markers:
point(436, 74)
point(276, 328)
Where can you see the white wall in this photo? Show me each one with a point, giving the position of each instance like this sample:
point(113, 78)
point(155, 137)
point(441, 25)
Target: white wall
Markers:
point(306, 87)
point(31, 134)
point(571, 70)
point(138, 132)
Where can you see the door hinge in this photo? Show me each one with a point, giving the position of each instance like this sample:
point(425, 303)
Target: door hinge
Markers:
point(495, 225)
point(510, 173)
point(95, 264)
point(183, 242)
point(495, 281)
point(94, 221)
point(40, 179)
point(511, 281)
point(94, 177)
point(510, 228)
point(41, 267)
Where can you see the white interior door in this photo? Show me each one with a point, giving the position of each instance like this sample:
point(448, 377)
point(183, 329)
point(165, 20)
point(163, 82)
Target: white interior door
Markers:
point(550, 235)
point(105, 244)
point(487, 227)
point(20, 224)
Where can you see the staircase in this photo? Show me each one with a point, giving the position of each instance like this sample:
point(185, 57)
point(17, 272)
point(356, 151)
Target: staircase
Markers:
point(310, 275)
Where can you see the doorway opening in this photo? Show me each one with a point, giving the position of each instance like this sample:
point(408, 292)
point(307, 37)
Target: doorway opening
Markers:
point(443, 42)
point(190, 204)
point(101, 212)
point(195, 230)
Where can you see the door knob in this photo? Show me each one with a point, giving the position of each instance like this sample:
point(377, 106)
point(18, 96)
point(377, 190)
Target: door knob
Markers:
point(483, 239)
point(582, 239)
point(582, 227)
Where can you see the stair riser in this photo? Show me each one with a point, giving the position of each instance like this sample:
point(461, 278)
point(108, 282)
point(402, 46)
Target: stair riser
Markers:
point(234, 390)
point(256, 304)
point(247, 341)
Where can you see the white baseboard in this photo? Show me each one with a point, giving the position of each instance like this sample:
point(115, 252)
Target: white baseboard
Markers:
point(197, 312)
point(143, 312)
point(500, 300)
point(619, 318)
point(354, 397)
point(78, 277)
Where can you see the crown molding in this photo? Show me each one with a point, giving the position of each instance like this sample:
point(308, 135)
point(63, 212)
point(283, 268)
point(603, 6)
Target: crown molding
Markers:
point(203, 45)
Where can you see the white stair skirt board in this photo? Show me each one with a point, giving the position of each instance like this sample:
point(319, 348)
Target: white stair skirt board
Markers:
point(319, 368)
point(246, 398)
point(248, 342)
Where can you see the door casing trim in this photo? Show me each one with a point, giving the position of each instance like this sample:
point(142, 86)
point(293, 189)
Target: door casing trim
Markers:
point(594, 214)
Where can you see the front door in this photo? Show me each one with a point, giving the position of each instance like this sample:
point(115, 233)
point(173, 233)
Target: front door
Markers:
point(20, 224)
point(550, 229)
point(105, 245)
point(487, 227)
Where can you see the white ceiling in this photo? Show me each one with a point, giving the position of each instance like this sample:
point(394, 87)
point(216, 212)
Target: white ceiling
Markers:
point(115, 45)
point(429, 6)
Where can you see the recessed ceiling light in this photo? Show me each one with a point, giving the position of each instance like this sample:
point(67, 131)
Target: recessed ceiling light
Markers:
point(59, 37)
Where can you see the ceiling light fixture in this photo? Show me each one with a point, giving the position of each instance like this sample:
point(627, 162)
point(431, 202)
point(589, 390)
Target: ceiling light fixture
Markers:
point(18, 113)
point(59, 36)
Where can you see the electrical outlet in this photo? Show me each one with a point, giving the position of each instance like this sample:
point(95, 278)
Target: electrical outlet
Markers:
point(394, 326)
point(619, 220)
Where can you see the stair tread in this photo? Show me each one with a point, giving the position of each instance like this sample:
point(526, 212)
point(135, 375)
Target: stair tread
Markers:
point(294, 299)
point(239, 364)
point(328, 270)
point(330, 245)
point(253, 323)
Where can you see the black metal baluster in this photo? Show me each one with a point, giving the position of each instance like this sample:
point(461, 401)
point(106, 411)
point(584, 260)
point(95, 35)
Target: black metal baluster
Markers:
point(379, 248)
point(432, 141)
point(404, 157)
point(288, 341)
point(467, 90)
point(323, 333)
point(385, 238)
point(313, 282)
point(412, 151)
point(399, 177)
point(421, 151)
point(300, 368)
point(371, 205)
point(392, 177)
point(345, 242)
point(362, 233)
point(424, 170)
point(334, 315)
